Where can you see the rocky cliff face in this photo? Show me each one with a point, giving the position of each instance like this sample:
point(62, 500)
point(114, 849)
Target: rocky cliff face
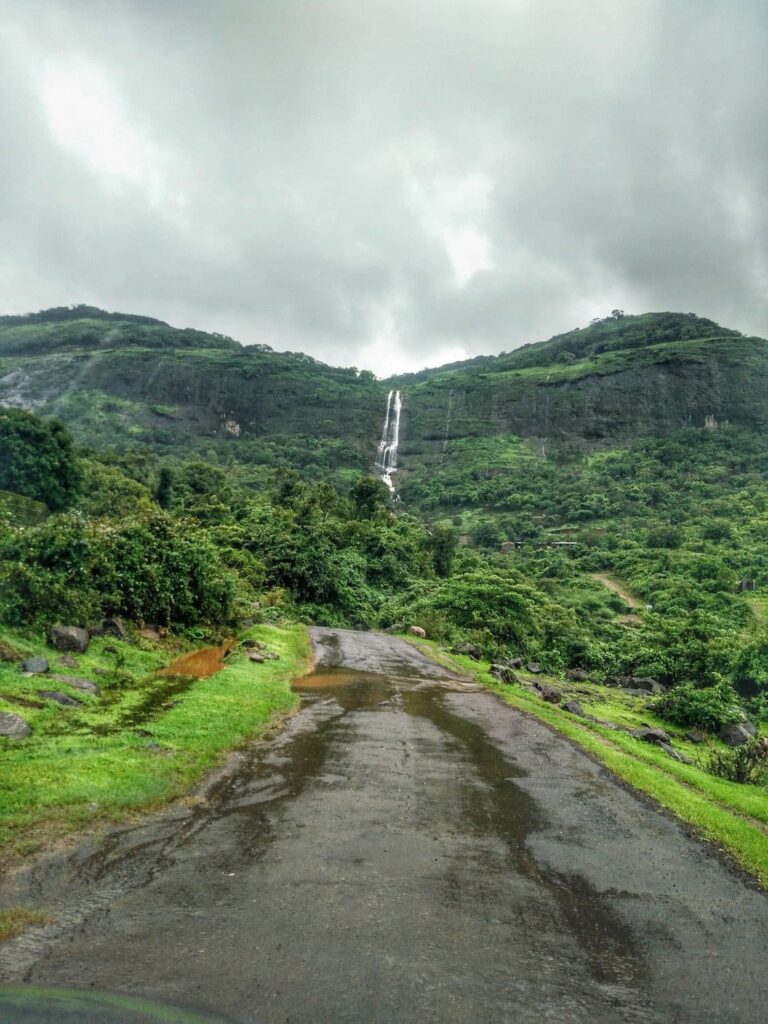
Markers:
point(135, 380)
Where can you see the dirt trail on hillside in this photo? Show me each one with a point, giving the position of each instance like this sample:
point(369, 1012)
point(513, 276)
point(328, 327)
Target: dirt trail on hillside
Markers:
point(410, 849)
point(617, 588)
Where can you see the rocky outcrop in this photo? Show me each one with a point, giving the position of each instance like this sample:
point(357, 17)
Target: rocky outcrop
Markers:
point(35, 666)
point(503, 673)
point(13, 726)
point(60, 698)
point(69, 638)
point(549, 693)
point(735, 734)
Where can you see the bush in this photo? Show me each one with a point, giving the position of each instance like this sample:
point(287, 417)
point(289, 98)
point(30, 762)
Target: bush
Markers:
point(746, 764)
point(707, 708)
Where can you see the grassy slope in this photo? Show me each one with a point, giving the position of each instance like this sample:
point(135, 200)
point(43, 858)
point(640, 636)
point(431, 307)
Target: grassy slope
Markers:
point(135, 746)
point(733, 816)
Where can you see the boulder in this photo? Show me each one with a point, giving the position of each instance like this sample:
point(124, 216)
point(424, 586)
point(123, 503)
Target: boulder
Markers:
point(83, 685)
point(696, 736)
point(575, 708)
point(271, 656)
point(549, 693)
point(532, 666)
point(650, 735)
point(734, 734)
point(110, 627)
point(69, 638)
point(256, 656)
point(12, 726)
point(417, 631)
point(577, 675)
point(149, 633)
point(67, 661)
point(503, 673)
point(396, 627)
point(470, 650)
point(60, 698)
point(643, 683)
point(35, 666)
point(515, 662)
point(675, 754)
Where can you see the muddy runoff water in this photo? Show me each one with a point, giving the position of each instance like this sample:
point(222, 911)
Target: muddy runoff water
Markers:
point(407, 849)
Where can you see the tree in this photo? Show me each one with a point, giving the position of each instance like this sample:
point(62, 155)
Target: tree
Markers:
point(443, 544)
point(164, 489)
point(367, 495)
point(37, 459)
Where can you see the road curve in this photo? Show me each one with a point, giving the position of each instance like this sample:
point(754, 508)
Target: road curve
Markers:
point(410, 849)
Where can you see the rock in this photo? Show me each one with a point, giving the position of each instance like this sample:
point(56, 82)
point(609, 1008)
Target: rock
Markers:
point(633, 691)
point(69, 638)
point(271, 656)
point(12, 726)
point(577, 675)
point(60, 698)
point(696, 736)
point(470, 650)
point(675, 754)
point(515, 662)
point(35, 666)
point(148, 633)
point(650, 735)
point(618, 681)
point(396, 627)
point(532, 666)
point(642, 683)
point(249, 644)
point(67, 661)
point(418, 631)
point(257, 657)
point(549, 693)
point(248, 623)
point(110, 627)
point(575, 708)
point(101, 671)
point(84, 685)
point(734, 734)
point(503, 673)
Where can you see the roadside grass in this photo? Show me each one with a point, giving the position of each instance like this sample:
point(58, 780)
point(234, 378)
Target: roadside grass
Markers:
point(733, 816)
point(144, 741)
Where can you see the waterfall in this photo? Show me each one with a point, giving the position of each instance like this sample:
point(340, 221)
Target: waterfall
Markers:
point(386, 456)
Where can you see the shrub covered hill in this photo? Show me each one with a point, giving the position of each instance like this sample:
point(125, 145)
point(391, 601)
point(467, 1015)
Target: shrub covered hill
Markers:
point(121, 379)
point(627, 455)
point(588, 513)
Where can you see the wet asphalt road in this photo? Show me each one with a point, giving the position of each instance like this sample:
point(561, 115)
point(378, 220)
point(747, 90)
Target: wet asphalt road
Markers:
point(409, 849)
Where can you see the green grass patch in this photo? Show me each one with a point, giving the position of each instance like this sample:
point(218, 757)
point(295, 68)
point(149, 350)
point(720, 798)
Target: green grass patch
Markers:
point(143, 741)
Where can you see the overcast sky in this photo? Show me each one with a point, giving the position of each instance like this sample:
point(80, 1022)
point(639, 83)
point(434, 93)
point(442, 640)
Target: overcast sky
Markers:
point(380, 183)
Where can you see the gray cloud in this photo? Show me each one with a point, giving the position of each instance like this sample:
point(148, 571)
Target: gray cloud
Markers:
point(386, 184)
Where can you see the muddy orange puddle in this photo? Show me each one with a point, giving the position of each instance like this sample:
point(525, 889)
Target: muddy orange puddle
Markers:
point(200, 664)
point(322, 680)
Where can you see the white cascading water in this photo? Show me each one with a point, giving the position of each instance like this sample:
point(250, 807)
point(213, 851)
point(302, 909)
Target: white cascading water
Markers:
point(386, 457)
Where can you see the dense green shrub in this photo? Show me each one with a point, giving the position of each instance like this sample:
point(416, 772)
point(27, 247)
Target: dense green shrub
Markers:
point(746, 764)
point(706, 708)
